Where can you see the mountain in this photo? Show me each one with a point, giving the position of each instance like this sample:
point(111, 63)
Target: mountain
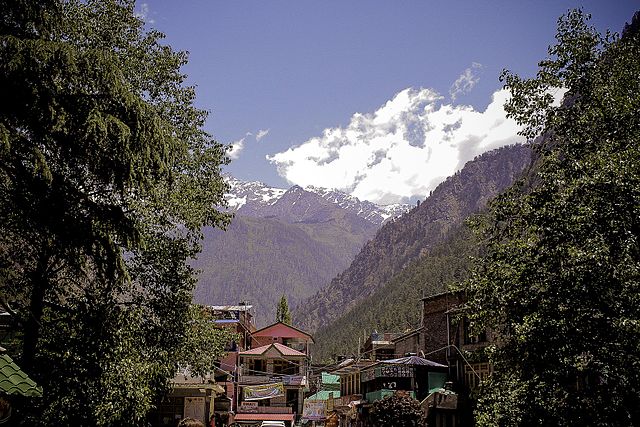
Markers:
point(288, 242)
point(413, 236)
point(395, 306)
point(258, 200)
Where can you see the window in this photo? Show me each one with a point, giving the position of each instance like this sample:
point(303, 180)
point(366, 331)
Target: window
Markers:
point(473, 339)
point(256, 367)
point(476, 373)
point(285, 367)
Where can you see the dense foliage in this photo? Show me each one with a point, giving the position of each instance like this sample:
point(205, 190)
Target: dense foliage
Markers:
point(106, 178)
point(398, 411)
point(560, 282)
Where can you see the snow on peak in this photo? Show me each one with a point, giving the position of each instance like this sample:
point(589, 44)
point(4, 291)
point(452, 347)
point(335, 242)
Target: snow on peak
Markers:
point(252, 196)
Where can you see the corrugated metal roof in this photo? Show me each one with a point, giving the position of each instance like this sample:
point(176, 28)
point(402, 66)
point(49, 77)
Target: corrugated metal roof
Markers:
point(14, 381)
point(330, 379)
point(324, 395)
point(230, 307)
point(286, 351)
point(413, 360)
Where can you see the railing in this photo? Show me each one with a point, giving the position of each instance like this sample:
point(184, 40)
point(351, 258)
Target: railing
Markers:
point(293, 380)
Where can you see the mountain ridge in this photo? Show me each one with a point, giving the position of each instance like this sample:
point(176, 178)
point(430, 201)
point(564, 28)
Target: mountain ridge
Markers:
point(411, 236)
point(287, 242)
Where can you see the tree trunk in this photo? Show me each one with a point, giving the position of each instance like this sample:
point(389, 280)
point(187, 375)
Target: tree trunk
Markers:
point(32, 325)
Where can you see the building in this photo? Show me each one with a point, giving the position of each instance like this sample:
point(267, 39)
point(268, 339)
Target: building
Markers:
point(284, 334)
point(239, 319)
point(379, 346)
point(445, 337)
point(413, 375)
point(272, 376)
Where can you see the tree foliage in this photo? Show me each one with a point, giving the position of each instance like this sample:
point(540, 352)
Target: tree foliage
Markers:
point(398, 411)
point(282, 312)
point(106, 178)
point(559, 284)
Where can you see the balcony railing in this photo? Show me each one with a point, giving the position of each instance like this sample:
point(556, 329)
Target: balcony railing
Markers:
point(273, 378)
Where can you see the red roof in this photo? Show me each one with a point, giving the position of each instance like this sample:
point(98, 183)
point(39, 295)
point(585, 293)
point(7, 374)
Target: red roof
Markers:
point(264, 417)
point(282, 330)
point(283, 349)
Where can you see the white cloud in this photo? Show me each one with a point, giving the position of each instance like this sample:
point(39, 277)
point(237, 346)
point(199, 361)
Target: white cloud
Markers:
point(235, 148)
point(404, 149)
point(466, 82)
point(143, 13)
point(261, 134)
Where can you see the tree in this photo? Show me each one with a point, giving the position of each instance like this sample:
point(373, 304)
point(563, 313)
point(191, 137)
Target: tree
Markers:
point(282, 311)
point(559, 282)
point(106, 178)
point(398, 411)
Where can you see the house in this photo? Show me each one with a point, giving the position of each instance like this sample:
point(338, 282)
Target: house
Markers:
point(413, 375)
point(191, 396)
point(347, 407)
point(272, 375)
point(282, 333)
point(215, 393)
point(445, 337)
point(321, 403)
point(238, 319)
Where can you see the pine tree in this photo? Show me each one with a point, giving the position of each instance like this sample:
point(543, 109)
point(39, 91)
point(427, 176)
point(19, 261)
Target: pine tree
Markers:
point(106, 179)
point(282, 311)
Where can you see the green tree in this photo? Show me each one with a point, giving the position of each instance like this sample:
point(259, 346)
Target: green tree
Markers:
point(106, 178)
point(559, 284)
point(282, 311)
point(398, 411)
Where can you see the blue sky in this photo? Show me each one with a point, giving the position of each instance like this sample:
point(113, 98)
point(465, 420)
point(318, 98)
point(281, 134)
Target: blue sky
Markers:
point(301, 70)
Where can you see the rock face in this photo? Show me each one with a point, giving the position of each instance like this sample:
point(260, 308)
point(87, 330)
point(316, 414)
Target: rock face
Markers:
point(405, 239)
point(288, 242)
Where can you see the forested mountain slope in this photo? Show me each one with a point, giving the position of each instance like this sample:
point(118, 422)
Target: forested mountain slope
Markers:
point(287, 242)
point(395, 306)
point(414, 235)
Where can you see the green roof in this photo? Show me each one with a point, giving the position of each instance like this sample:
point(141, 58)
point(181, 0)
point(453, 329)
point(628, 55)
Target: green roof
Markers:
point(14, 381)
point(323, 395)
point(330, 379)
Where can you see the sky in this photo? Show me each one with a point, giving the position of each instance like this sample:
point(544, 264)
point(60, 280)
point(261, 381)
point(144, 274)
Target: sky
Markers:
point(380, 99)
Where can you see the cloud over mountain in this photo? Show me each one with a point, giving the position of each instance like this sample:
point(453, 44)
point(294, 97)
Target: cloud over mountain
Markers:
point(466, 82)
point(403, 149)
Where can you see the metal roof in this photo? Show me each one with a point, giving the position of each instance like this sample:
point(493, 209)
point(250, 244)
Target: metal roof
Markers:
point(324, 395)
point(230, 307)
point(264, 417)
point(283, 349)
point(413, 360)
point(14, 381)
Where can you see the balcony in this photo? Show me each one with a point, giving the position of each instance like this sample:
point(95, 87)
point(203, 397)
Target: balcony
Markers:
point(290, 380)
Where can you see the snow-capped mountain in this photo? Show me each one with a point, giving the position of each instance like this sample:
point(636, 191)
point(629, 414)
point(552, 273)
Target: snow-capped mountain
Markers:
point(370, 211)
point(256, 199)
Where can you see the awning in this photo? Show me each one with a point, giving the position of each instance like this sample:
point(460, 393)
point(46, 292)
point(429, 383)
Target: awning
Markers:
point(264, 417)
